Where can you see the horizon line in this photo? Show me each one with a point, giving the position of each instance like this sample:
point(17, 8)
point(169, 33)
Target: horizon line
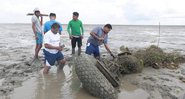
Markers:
point(116, 24)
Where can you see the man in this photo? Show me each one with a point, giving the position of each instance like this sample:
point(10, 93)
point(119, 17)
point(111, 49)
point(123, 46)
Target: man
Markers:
point(47, 25)
point(76, 32)
point(52, 50)
point(37, 30)
point(98, 36)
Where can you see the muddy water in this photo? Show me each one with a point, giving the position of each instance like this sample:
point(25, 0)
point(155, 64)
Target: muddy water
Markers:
point(58, 84)
point(64, 84)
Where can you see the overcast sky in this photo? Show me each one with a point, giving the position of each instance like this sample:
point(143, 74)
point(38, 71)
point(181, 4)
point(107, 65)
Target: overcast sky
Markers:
point(128, 12)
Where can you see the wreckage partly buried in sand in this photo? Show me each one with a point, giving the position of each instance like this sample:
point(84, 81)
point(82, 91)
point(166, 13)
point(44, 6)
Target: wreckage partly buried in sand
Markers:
point(101, 77)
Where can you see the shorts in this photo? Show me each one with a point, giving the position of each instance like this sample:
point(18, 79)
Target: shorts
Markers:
point(75, 40)
point(39, 40)
point(51, 58)
point(91, 49)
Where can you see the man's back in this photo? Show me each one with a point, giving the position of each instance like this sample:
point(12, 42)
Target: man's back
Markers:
point(48, 24)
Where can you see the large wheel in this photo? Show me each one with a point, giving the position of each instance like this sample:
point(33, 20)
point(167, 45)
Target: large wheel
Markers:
point(92, 79)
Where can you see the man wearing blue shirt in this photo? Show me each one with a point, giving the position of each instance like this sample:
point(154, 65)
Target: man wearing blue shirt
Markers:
point(98, 36)
point(48, 24)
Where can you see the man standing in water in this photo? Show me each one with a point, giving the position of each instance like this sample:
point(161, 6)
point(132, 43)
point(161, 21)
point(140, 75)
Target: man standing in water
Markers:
point(37, 30)
point(98, 36)
point(76, 32)
point(53, 48)
point(47, 25)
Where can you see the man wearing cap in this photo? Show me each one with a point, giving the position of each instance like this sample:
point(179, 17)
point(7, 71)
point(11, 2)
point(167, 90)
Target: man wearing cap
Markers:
point(37, 30)
point(48, 24)
point(53, 48)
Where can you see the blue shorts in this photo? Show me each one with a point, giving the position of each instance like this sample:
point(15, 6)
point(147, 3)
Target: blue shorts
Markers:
point(91, 49)
point(40, 38)
point(51, 58)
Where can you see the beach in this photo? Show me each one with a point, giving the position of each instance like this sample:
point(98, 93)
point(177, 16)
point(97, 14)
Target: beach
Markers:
point(20, 80)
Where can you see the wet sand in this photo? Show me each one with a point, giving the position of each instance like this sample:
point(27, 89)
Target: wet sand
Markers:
point(18, 80)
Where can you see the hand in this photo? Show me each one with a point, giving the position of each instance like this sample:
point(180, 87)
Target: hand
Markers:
point(36, 37)
point(70, 37)
point(100, 38)
point(40, 15)
point(59, 48)
point(82, 37)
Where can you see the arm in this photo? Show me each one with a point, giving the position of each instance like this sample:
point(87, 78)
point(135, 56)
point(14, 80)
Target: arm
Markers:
point(108, 50)
point(82, 28)
point(106, 46)
point(96, 37)
point(68, 29)
point(60, 30)
point(34, 31)
point(45, 28)
point(41, 21)
point(53, 47)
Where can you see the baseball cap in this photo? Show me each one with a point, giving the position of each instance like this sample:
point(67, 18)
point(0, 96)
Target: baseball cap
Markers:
point(36, 9)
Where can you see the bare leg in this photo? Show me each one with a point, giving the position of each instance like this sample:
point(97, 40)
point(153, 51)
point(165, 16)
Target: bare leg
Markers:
point(61, 63)
point(46, 69)
point(37, 49)
point(36, 55)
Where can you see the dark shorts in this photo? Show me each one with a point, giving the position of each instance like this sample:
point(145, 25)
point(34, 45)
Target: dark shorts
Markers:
point(91, 49)
point(51, 58)
point(75, 40)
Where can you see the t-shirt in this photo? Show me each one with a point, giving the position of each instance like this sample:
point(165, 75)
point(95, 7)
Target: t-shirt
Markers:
point(100, 33)
point(52, 39)
point(48, 24)
point(74, 27)
point(38, 26)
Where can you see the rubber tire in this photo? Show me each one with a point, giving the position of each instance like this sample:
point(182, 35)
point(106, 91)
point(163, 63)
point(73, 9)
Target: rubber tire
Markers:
point(92, 79)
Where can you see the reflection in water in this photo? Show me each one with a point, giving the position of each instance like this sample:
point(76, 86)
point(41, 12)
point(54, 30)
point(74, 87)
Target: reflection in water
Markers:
point(49, 85)
point(60, 84)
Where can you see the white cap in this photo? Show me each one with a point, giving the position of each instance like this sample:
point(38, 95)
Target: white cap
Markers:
point(36, 9)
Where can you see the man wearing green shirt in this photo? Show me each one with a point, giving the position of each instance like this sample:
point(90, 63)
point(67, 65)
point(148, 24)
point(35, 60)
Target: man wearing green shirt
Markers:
point(76, 32)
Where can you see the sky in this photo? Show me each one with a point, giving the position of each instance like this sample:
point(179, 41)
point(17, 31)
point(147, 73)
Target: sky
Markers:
point(123, 12)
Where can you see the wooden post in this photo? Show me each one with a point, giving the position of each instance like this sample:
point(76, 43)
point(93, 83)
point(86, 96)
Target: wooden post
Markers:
point(33, 14)
point(159, 35)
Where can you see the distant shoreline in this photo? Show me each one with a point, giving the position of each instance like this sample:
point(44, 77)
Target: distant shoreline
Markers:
point(95, 24)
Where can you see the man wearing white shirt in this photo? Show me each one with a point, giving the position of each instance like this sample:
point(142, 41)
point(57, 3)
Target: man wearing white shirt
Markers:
point(37, 29)
point(52, 50)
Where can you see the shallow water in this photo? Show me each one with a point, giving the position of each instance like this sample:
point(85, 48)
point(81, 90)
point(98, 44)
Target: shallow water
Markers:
point(17, 42)
point(64, 84)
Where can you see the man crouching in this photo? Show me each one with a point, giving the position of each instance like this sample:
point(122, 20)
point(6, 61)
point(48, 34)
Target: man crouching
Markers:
point(52, 50)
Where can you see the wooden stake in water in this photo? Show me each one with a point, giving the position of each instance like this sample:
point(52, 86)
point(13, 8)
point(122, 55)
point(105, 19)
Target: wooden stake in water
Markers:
point(159, 35)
